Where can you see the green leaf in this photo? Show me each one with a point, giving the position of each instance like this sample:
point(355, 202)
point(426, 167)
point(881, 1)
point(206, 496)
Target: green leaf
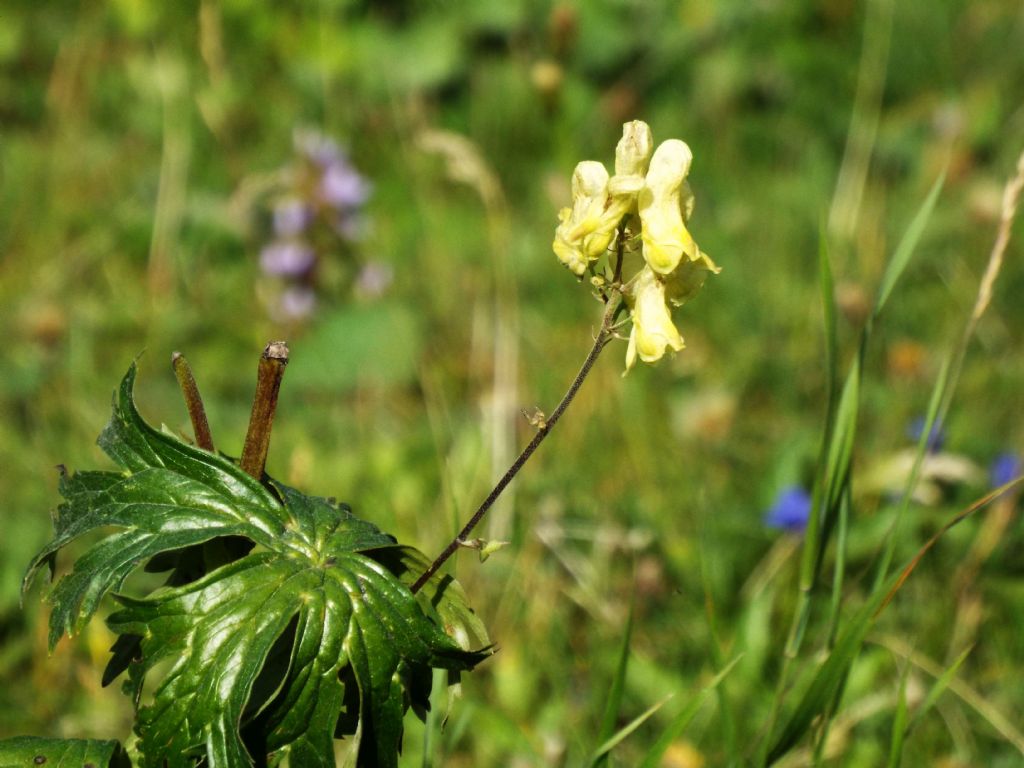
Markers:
point(33, 751)
point(275, 651)
point(444, 600)
point(170, 497)
point(442, 597)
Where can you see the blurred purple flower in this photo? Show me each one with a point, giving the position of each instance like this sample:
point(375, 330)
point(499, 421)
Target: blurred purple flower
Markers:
point(351, 225)
point(297, 302)
point(291, 217)
point(342, 187)
point(317, 148)
point(1004, 468)
point(374, 279)
point(791, 510)
point(936, 439)
point(316, 214)
point(287, 258)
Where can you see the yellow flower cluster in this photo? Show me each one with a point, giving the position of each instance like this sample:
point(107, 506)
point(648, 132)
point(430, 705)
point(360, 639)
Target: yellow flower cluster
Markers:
point(650, 192)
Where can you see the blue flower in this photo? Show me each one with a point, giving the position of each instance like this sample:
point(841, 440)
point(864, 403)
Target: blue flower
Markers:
point(791, 510)
point(936, 439)
point(1004, 468)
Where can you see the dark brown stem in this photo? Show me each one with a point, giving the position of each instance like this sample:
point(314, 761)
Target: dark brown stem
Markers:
point(264, 404)
point(620, 248)
point(603, 337)
point(193, 401)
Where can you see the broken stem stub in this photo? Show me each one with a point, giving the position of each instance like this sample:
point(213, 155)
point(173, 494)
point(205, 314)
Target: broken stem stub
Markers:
point(264, 404)
point(193, 401)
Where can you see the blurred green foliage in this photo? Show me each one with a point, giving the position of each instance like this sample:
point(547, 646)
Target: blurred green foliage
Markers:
point(134, 136)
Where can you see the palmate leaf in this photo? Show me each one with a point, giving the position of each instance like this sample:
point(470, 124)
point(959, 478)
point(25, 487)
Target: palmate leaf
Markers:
point(306, 631)
point(32, 751)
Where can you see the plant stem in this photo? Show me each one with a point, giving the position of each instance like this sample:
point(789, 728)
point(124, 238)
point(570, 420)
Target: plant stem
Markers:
point(264, 404)
point(612, 308)
point(193, 401)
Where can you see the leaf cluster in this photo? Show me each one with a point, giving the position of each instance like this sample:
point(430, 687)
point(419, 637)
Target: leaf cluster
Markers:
point(285, 621)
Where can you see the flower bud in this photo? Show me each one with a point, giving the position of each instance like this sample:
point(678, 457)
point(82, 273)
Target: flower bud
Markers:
point(632, 155)
point(633, 152)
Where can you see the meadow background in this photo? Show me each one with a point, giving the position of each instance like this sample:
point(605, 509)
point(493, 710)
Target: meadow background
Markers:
point(140, 146)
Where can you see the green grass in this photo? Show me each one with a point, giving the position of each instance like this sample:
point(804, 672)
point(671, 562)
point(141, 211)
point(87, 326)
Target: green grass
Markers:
point(128, 129)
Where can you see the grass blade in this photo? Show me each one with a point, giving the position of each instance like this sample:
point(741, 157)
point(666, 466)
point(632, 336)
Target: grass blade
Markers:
point(832, 376)
point(931, 417)
point(839, 574)
point(828, 680)
point(941, 684)
point(824, 512)
point(901, 257)
point(435, 717)
point(899, 723)
point(831, 675)
point(614, 703)
point(600, 755)
point(728, 722)
point(1003, 724)
point(675, 729)
point(826, 284)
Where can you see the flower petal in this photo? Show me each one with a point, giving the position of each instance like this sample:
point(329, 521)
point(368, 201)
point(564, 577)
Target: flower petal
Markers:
point(687, 278)
point(653, 329)
point(661, 208)
point(583, 233)
point(287, 258)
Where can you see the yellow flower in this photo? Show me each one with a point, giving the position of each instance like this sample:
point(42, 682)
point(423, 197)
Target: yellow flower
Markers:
point(587, 229)
point(632, 156)
point(584, 231)
point(652, 187)
point(664, 203)
point(653, 331)
point(686, 279)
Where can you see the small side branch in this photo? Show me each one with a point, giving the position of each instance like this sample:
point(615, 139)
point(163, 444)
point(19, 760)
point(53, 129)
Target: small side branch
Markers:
point(193, 401)
point(603, 337)
point(264, 405)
